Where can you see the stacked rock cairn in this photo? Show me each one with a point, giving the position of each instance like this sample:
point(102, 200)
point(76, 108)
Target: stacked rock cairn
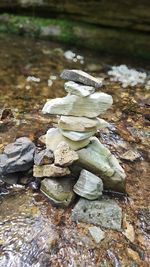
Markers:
point(72, 148)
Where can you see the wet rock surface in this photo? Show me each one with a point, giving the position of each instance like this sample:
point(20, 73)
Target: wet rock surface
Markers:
point(18, 156)
point(58, 191)
point(103, 212)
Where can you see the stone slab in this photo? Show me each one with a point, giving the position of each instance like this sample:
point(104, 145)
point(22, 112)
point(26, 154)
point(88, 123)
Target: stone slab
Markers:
point(72, 105)
point(104, 212)
point(81, 77)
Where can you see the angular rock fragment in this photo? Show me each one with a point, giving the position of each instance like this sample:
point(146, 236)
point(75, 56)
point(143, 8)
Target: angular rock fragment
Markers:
point(59, 191)
point(104, 212)
point(64, 155)
point(49, 171)
point(81, 124)
point(78, 89)
point(77, 136)
point(99, 160)
point(43, 157)
point(90, 106)
point(88, 185)
point(18, 156)
point(81, 77)
point(97, 233)
point(54, 137)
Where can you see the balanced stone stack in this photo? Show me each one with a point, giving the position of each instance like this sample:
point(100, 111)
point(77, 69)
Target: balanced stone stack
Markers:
point(73, 140)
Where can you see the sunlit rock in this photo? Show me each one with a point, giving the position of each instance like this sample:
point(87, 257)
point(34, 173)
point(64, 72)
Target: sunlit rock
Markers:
point(81, 77)
point(49, 171)
point(90, 106)
point(59, 191)
point(81, 124)
point(78, 89)
point(88, 185)
point(54, 138)
point(104, 212)
point(64, 155)
point(98, 159)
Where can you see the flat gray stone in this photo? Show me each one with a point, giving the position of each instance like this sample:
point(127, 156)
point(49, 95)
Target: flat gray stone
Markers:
point(72, 105)
point(43, 157)
point(17, 156)
point(98, 159)
point(77, 136)
point(49, 171)
point(97, 234)
point(64, 155)
point(104, 212)
point(54, 138)
point(59, 191)
point(78, 89)
point(81, 124)
point(88, 185)
point(81, 77)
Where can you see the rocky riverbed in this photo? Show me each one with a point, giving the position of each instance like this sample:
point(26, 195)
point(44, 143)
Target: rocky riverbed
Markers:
point(35, 233)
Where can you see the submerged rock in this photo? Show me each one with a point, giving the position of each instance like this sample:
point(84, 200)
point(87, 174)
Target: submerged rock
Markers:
point(81, 77)
point(97, 233)
point(77, 136)
point(58, 190)
point(81, 124)
point(64, 155)
point(99, 160)
point(43, 157)
point(90, 106)
point(54, 138)
point(49, 171)
point(18, 156)
point(104, 212)
point(78, 89)
point(88, 185)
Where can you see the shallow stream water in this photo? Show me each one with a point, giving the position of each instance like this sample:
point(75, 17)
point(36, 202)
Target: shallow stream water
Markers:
point(32, 231)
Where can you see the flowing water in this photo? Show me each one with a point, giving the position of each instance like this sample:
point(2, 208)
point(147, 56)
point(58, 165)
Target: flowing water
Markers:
point(32, 231)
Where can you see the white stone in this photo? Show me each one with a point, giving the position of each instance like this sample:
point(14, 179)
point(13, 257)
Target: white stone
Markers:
point(90, 106)
point(78, 89)
point(81, 124)
point(64, 156)
point(54, 138)
point(77, 136)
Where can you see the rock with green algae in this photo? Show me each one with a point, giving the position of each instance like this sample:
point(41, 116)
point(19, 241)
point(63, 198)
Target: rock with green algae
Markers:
point(59, 191)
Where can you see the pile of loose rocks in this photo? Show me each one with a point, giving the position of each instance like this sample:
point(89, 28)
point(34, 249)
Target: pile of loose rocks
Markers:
point(76, 152)
point(74, 161)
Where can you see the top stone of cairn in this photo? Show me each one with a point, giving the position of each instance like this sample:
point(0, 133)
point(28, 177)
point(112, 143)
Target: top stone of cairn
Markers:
point(81, 77)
